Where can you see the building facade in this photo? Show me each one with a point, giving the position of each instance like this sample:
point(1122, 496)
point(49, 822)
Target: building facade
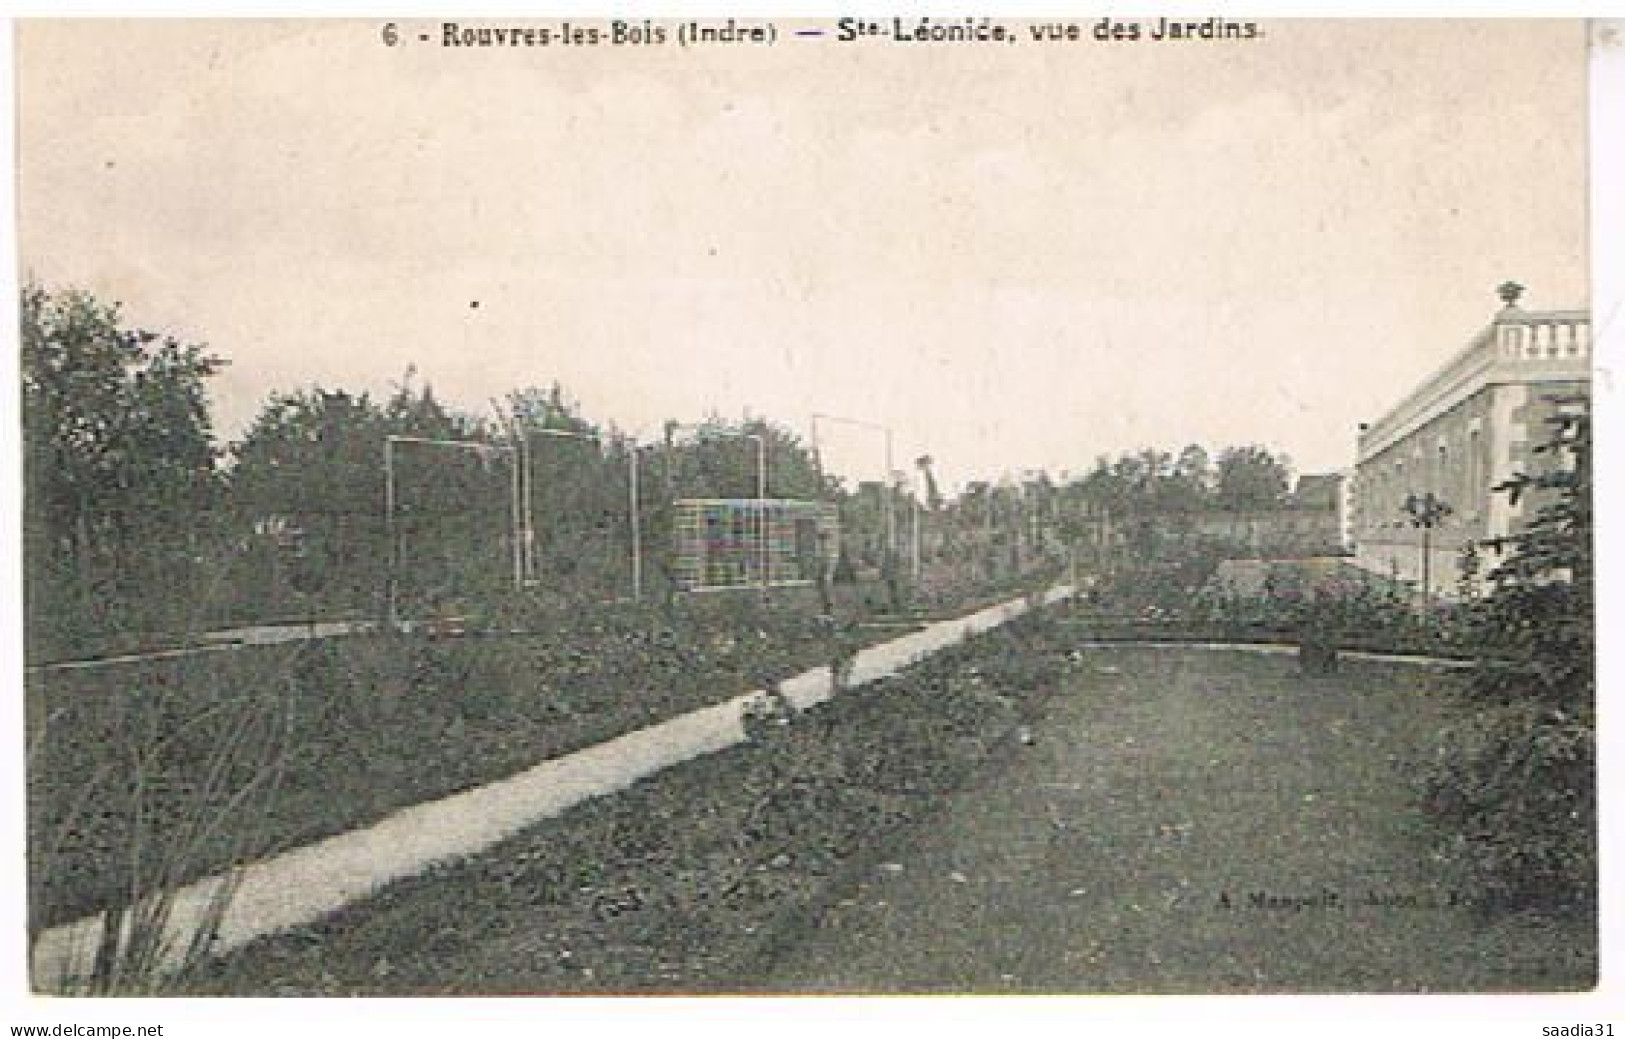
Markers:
point(1425, 471)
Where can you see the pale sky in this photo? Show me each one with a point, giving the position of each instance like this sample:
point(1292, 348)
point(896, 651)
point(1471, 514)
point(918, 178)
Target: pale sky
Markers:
point(1017, 256)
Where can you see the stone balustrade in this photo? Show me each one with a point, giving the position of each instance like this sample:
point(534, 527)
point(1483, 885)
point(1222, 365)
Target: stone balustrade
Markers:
point(1544, 336)
point(1518, 344)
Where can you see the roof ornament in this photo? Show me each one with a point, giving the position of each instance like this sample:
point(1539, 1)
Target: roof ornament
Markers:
point(1510, 292)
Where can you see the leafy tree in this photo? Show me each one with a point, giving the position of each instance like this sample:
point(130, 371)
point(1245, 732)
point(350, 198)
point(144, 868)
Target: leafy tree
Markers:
point(118, 456)
point(577, 492)
point(1251, 477)
point(1190, 485)
point(1105, 488)
point(1540, 615)
point(1516, 781)
point(309, 489)
point(717, 458)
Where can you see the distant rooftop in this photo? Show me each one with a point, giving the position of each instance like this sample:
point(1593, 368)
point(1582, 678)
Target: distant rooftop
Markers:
point(1318, 491)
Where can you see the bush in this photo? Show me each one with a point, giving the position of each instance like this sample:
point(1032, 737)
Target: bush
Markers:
point(1515, 783)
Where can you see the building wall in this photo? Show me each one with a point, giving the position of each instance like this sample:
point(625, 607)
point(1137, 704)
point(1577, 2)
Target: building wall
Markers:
point(1457, 456)
point(1466, 429)
point(1346, 499)
point(1274, 533)
point(1531, 418)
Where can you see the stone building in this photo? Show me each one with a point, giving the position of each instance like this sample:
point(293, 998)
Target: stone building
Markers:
point(1425, 470)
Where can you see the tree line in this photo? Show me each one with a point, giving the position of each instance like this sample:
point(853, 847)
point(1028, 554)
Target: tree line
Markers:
point(138, 519)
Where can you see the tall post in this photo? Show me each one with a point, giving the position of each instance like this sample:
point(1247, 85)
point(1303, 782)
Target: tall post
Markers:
point(1426, 511)
point(914, 529)
point(529, 515)
point(761, 466)
point(1427, 563)
point(818, 464)
point(888, 492)
point(632, 508)
point(667, 510)
point(518, 517)
point(825, 571)
point(762, 555)
point(891, 505)
point(761, 494)
point(987, 531)
point(519, 491)
point(391, 615)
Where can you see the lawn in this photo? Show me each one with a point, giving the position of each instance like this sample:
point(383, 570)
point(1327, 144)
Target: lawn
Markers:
point(1195, 821)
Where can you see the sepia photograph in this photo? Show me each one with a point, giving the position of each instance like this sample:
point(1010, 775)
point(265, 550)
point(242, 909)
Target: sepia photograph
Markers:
point(753, 506)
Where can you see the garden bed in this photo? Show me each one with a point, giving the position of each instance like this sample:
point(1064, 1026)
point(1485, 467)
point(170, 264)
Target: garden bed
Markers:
point(688, 880)
point(1110, 628)
point(152, 774)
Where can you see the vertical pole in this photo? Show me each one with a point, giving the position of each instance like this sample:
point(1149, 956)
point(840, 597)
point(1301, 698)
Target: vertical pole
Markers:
point(637, 536)
point(529, 567)
point(987, 530)
point(761, 509)
point(519, 456)
point(518, 519)
point(818, 464)
point(761, 506)
point(391, 616)
point(666, 557)
point(1427, 559)
point(826, 570)
point(761, 467)
point(891, 510)
point(914, 529)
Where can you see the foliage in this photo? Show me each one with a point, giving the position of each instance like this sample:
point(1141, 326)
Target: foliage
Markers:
point(309, 495)
point(116, 420)
point(689, 878)
point(118, 463)
point(1178, 595)
point(412, 717)
point(1515, 780)
point(1251, 477)
point(1166, 580)
point(1141, 502)
point(717, 458)
point(1515, 785)
point(139, 796)
point(1469, 571)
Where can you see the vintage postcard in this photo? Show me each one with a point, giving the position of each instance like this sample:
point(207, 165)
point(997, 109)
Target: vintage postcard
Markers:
point(855, 505)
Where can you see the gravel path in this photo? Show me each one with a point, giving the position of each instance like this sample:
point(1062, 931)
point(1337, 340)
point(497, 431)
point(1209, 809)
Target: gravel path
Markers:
point(1190, 821)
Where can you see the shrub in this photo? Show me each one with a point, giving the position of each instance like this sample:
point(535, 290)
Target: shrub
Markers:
point(174, 790)
point(1515, 781)
point(1515, 785)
